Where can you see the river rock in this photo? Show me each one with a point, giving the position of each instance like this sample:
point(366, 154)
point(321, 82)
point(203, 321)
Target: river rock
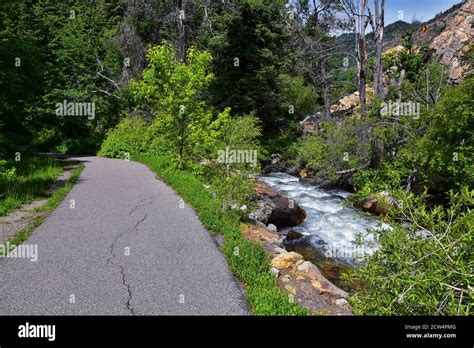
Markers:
point(294, 170)
point(274, 271)
point(341, 302)
point(271, 228)
point(274, 208)
point(286, 212)
point(305, 269)
point(286, 260)
point(293, 235)
point(277, 164)
point(262, 213)
point(380, 203)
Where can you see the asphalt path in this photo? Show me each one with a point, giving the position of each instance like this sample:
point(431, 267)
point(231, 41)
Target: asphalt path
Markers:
point(120, 243)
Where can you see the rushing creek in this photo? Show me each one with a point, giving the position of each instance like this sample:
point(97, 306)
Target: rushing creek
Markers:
point(331, 225)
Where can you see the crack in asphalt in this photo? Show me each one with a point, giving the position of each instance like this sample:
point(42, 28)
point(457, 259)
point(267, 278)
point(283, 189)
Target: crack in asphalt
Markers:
point(180, 248)
point(122, 268)
point(139, 222)
point(139, 206)
point(129, 290)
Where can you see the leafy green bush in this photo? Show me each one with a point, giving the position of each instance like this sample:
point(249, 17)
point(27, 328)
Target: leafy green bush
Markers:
point(337, 146)
point(446, 150)
point(6, 174)
point(393, 173)
point(239, 133)
point(173, 90)
point(81, 145)
point(127, 137)
point(46, 139)
point(409, 61)
point(233, 192)
point(423, 265)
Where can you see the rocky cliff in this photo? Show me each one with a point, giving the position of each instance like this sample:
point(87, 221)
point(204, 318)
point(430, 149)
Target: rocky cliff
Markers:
point(455, 40)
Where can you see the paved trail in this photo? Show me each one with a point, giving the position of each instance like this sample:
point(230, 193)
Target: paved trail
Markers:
point(173, 266)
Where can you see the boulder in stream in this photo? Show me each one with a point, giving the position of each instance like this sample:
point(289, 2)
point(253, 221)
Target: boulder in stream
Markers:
point(293, 235)
point(274, 208)
point(277, 164)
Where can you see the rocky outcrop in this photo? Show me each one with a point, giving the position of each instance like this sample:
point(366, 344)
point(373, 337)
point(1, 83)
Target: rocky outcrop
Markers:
point(301, 279)
point(309, 124)
point(455, 39)
point(347, 104)
point(344, 106)
point(277, 164)
point(380, 203)
point(274, 208)
point(305, 283)
point(269, 240)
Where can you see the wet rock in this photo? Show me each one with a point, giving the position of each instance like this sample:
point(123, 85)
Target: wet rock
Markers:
point(294, 170)
point(306, 269)
point(274, 208)
point(296, 276)
point(271, 228)
point(293, 235)
point(286, 260)
point(286, 212)
point(277, 164)
point(380, 203)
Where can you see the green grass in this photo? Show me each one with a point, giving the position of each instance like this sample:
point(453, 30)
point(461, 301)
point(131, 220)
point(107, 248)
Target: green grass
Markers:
point(52, 203)
point(33, 175)
point(249, 262)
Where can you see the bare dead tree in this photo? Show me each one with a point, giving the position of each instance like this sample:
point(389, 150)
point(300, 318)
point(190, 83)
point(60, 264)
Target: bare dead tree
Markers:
point(182, 29)
point(356, 10)
point(312, 26)
point(377, 25)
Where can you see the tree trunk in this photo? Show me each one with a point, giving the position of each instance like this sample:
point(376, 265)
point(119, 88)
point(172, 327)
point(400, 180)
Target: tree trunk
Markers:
point(378, 36)
point(325, 87)
point(363, 56)
point(182, 30)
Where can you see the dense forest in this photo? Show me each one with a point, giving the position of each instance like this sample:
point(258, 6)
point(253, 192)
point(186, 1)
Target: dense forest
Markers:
point(221, 91)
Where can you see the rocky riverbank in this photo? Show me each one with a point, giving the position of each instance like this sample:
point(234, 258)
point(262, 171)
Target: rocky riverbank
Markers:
point(300, 278)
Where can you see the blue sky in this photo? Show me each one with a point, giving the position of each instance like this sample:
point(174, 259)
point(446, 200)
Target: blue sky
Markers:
point(423, 10)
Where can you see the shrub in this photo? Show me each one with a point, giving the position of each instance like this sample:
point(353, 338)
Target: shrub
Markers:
point(446, 151)
point(6, 173)
point(393, 173)
point(423, 265)
point(337, 146)
point(127, 137)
